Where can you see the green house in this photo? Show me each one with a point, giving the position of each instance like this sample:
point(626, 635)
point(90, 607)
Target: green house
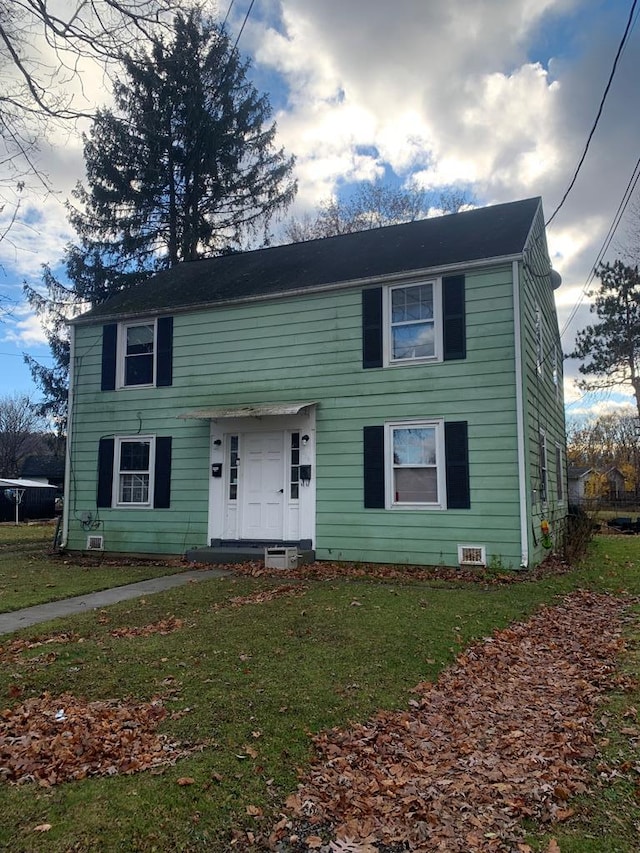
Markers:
point(388, 396)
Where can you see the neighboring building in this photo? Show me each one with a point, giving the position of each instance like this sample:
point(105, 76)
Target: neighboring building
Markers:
point(580, 478)
point(615, 483)
point(44, 469)
point(392, 395)
point(587, 484)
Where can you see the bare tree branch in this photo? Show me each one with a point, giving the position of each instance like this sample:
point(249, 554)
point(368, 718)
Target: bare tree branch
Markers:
point(41, 52)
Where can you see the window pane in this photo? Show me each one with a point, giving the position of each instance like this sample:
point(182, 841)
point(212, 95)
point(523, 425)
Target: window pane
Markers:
point(139, 340)
point(416, 485)
point(294, 474)
point(415, 446)
point(416, 340)
point(134, 488)
point(234, 459)
point(412, 303)
point(138, 370)
point(134, 456)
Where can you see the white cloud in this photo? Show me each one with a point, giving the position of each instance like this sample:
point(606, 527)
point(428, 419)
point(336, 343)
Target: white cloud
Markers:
point(22, 327)
point(463, 93)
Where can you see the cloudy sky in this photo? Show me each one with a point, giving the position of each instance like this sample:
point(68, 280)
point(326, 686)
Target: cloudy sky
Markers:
point(493, 96)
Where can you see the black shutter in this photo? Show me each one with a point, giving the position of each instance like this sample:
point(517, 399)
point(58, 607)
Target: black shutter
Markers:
point(164, 365)
point(162, 474)
point(453, 316)
point(373, 437)
point(109, 345)
point(456, 449)
point(105, 472)
point(372, 327)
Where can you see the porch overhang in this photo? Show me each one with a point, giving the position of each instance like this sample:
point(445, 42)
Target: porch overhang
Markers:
point(24, 484)
point(248, 410)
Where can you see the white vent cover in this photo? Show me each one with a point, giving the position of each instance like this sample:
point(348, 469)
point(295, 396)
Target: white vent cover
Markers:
point(95, 543)
point(472, 555)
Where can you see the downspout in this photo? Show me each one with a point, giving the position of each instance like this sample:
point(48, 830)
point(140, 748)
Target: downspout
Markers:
point(520, 425)
point(67, 454)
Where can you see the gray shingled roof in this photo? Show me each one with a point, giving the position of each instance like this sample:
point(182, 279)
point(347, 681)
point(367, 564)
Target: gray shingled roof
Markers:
point(485, 233)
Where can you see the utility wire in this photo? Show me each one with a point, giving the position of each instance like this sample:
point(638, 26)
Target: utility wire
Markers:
point(626, 198)
point(228, 12)
point(599, 113)
point(246, 18)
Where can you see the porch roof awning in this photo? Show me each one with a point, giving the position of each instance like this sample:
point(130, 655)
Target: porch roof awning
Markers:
point(249, 410)
point(23, 484)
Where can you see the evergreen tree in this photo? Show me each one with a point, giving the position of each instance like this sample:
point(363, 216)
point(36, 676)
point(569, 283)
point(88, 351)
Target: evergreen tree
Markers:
point(185, 166)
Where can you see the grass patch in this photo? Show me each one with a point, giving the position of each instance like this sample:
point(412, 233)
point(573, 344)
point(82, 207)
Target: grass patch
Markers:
point(30, 574)
point(252, 681)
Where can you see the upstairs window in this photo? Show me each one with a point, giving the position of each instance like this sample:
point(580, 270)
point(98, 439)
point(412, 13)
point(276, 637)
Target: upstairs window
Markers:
point(138, 354)
point(414, 333)
point(417, 323)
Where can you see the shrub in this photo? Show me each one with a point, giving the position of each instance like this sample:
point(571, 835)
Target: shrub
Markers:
point(578, 533)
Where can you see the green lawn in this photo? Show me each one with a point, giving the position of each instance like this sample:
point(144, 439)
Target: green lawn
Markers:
point(31, 574)
point(253, 681)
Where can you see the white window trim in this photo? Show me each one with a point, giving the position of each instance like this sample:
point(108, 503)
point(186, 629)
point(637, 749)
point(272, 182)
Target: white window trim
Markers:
point(390, 503)
point(557, 370)
point(543, 456)
point(388, 361)
point(119, 441)
point(121, 353)
point(560, 475)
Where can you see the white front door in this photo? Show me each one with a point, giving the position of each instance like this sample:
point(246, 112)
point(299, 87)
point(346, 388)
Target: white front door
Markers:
point(262, 485)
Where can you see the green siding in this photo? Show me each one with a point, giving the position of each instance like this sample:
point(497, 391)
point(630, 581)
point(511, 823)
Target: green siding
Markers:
point(544, 402)
point(309, 348)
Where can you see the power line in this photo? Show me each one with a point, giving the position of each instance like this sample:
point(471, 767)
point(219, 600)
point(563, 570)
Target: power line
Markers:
point(21, 355)
point(626, 198)
point(228, 12)
point(246, 18)
point(599, 113)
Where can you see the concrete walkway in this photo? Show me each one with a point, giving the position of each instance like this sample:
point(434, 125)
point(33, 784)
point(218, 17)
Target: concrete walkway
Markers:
point(82, 603)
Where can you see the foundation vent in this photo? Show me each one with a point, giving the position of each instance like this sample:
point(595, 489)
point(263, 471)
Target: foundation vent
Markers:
point(95, 543)
point(472, 555)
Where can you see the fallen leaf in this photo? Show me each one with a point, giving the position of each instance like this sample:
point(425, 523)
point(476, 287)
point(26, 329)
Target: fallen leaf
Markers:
point(186, 780)
point(507, 733)
point(564, 814)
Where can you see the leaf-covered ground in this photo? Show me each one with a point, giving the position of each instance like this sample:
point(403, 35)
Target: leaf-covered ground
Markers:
point(503, 735)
